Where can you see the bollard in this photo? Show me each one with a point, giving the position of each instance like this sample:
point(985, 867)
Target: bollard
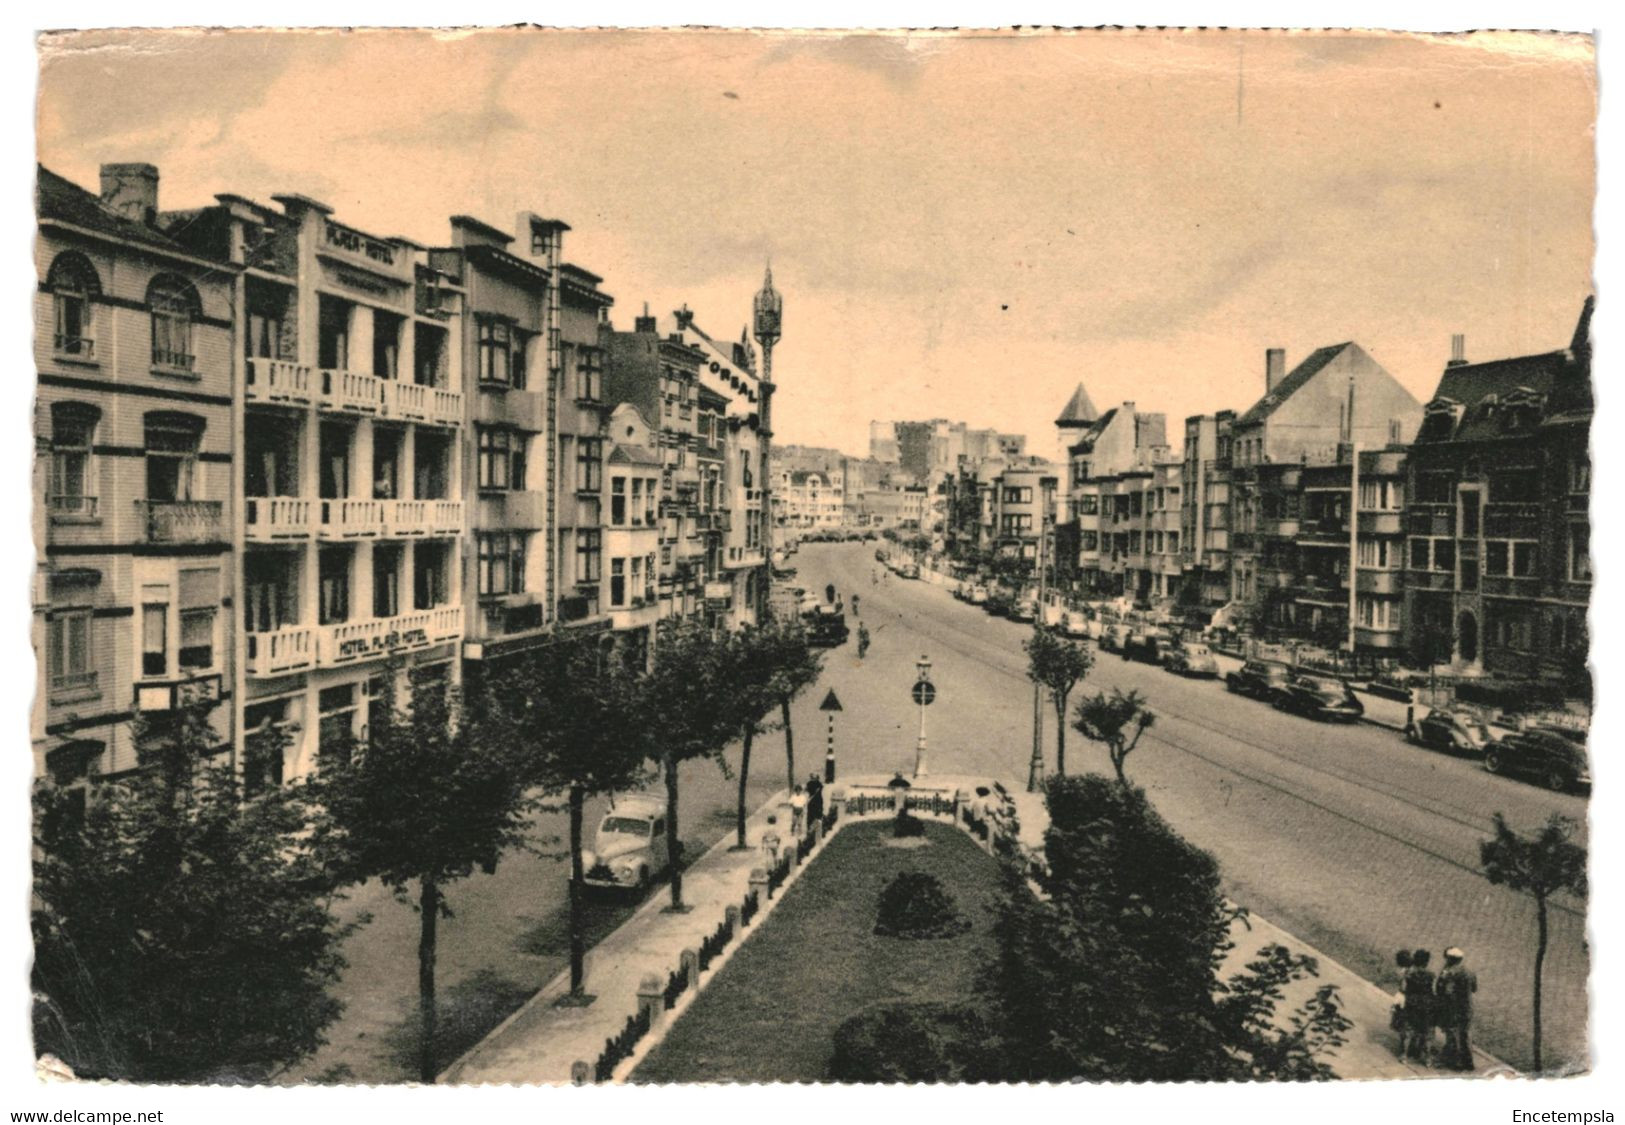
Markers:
point(758, 883)
point(652, 998)
point(580, 1073)
point(732, 916)
point(689, 959)
point(818, 831)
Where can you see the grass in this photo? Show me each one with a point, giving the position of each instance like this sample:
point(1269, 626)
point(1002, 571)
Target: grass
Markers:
point(771, 1012)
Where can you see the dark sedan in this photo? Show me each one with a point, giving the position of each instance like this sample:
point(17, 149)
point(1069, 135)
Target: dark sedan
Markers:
point(1456, 732)
point(1261, 679)
point(1555, 758)
point(1147, 647)
point(1320, 697)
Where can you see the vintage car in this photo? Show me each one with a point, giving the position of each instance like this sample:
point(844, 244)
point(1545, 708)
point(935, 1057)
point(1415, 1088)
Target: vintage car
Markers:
point(978, 595)
point(1326, 698)
point(630, 848)
point(1114, 637)
point(1455, 731)
point(826, 626)
point(1192, 659)
point(1023, 609)
point(1260, 679)
point(1554, 757)
point(1147, 647)
point(1075, 624)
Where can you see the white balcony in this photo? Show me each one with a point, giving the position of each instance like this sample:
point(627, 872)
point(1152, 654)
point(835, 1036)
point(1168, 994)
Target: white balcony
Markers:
point(269, 518)
point(351, 519)
point(351, 391)
point(445, 407)
point(281, 651)
point(422, 517)
point(277, 380)
point(379, 637)
point(406, 401)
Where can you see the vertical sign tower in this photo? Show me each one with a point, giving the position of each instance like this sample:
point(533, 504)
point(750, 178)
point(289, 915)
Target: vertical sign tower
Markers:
point(769, 318)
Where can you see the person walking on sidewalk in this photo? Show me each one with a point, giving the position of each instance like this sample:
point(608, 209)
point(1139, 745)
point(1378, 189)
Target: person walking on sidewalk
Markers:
point(1419, 1005)
point(798, 812)
point(815, 799)
point(1401, 1020)
point(855, 612)
point(1456, 986)
point(863, 640)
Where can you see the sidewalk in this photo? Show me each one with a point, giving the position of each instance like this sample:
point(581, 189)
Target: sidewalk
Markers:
point(539, 1043)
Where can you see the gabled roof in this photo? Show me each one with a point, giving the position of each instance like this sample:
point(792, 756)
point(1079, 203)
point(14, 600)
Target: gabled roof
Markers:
point(1092, 434)
point(1078, 411)
point(628, 454)
point(1480, 389)
point(56, 197)
point(1294, 379)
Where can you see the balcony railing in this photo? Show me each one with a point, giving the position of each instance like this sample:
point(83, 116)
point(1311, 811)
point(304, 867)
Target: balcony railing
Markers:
point(445, 407)
point(422, 517)
point(75, 347)
point(352, 391)
point(172, 361)
point(74, 683)
point(180, 521)
point(276, 380)
point(72, 507)
point(374, 638)
point(277, 517)
point(281, 651)
point(407, 401)
point(351, 519)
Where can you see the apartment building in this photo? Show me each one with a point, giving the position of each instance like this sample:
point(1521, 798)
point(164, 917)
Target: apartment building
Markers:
point(1111, 468)
point(135, 456)
point(1205, 509)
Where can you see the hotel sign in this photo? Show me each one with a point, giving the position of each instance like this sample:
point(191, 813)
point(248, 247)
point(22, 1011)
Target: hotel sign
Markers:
point(384, 642)
point(354, 242)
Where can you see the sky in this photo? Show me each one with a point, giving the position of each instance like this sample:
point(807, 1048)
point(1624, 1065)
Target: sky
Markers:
point(961, 226)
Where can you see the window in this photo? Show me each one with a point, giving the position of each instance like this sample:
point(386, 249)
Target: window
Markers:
point(265, 327)
point(154, 639)
point(589, 556)
point(1444, 555)
point(617, 582)
point(1088, 504)
point(1380, 496)
point(171, 452)
point(1579, 552)
point(1515, 486)
point(1018, 495)
point(69, 650)
point(637, 502)
point(386, 344)
point(501, 557)
point(502, 459)
point(1524, 557)
point(519, 359)
point(1434, 488)
point(270, 591)
point(429, 346)
point(73, 430)
point(333, 334)
point(173, 305)
point(336, 733)
point(386, 580)
point(334, 571)
point(1419, 554)
point(263, 723)
point(649, 502)
point(73, 282)
point(1580, 473)
point(649, 578)
point(430, 575)
point(637, 582)
point(496, 341)
point(199, 601)
point(617, 501)
point(1089, 540)
point(1496, 556)
point(589, 464)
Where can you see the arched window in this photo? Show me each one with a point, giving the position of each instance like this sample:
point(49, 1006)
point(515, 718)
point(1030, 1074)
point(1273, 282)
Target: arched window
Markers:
point(172, 440)
point(73, 432)
point(73, 282)
point(174, 304)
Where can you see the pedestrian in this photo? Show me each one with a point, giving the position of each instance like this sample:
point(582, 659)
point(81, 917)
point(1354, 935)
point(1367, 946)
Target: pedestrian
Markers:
point(1399, 1021)
point(815, 799)
point(855, 612)
point(863, 640)
point(798, 812)
point(770, 842)
point(1419, 1015)
point(1456, 986)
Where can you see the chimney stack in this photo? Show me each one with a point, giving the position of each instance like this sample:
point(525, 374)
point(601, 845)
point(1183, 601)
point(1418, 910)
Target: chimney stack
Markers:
point(1274, 368)
point(684, 318)
point(131, 190)
point(644, 323)
point(1458, 350)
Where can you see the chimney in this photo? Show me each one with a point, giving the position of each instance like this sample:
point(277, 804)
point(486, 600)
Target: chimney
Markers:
point(131, 190)
point(1274, 368)
point(644, 323)
point(684, 318)
point(1458, 350)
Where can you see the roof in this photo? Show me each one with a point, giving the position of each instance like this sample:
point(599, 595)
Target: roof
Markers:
point(1296, 378)
point(627, 453)
point(1092, 434)
point(56, 197)
point(1480, 388)
point(481, 227)
point(1078, 410)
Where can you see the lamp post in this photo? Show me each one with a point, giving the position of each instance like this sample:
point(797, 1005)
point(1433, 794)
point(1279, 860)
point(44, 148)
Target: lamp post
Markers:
point(769, 318)
point(924, 693)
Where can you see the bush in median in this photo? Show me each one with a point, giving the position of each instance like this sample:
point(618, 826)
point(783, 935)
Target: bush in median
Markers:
point(915, 905)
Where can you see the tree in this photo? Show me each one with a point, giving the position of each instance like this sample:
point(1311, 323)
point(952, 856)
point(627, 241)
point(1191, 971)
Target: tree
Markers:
point(434, 793)
point(796, 667)
point(1542, 864)
point(1118, 721)
point(685, 693)
point(752, 655)
point(577, 716)
point(1057, 666)
point(181, 933)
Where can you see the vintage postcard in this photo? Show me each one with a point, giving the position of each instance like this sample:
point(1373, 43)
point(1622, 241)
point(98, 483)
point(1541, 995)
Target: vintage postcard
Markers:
point(728, 556)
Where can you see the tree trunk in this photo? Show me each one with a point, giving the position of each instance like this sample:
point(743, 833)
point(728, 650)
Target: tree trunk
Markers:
point(1060, 738)
point(578, 938)
point(1540, 963)
point(744, 777)
point(429, 911)
point(1118, 757)
point(789, 745)
point(670, 764)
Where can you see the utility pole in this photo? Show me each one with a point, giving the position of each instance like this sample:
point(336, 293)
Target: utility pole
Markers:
point(1354, 523)
point(1035, 767)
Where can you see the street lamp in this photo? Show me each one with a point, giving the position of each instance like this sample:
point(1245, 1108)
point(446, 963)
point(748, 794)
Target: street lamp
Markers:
point(923, 693)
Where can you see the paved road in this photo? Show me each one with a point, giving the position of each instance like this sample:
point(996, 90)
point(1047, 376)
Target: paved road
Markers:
point(1346, 836)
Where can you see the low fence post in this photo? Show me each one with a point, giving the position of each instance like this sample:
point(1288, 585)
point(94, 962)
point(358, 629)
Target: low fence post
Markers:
point(651, 998)
point(689, 959)
point(758, 885)
point(580, 1073)
point(732, 916)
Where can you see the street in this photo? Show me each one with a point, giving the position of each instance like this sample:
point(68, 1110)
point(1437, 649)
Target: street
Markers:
point(1345, 836)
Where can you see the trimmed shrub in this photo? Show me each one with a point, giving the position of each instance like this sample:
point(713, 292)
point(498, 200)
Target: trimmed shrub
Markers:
point(915, 905)
point(915, 1041)
point(907, 825)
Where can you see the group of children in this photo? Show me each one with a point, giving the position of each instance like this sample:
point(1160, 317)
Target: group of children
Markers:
point(1428, 1001)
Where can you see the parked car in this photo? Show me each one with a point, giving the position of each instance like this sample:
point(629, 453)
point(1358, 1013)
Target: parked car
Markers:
point(1261, 679)
point(1052, 616)
point(999, 604)
point(909, 570)
point(1114, 637)
point(880, 554)
point(1455, 731)
point(978, 595)
point(1151, 648)
point(1075, 624)
point(1023, 609)
point(1191, 659)
point(630, 847)
point(1320, 697)
point(826, 626)
point(1556, 758)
